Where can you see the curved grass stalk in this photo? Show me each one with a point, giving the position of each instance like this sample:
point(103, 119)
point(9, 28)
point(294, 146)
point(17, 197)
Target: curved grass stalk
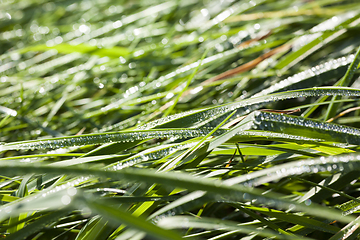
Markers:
point(217, 188)
point(201, 116)
point(208, 223)
point(101, 138)
point(346, 162)
point(306, 127)
point(314, 76)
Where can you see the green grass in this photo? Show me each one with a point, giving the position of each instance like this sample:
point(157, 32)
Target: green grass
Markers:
point(179, 119)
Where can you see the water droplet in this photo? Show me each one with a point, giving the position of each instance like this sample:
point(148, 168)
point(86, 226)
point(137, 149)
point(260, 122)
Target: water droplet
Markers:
point(66, 199)
point(72, 191)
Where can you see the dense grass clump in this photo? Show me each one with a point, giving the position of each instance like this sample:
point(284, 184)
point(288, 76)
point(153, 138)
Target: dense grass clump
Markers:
point(179, 119)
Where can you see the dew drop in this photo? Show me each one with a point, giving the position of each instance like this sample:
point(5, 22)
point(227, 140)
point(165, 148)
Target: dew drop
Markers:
point(66, 199)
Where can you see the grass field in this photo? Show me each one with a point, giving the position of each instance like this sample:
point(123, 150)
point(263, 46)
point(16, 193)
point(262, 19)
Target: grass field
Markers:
point(179, 119)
